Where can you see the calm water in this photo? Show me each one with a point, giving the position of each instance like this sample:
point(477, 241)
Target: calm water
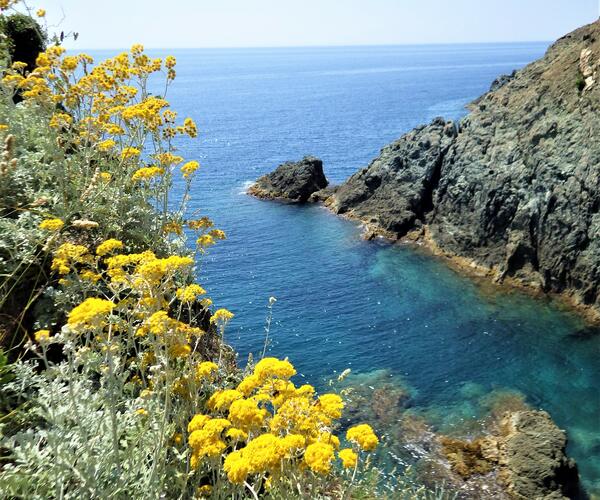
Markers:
point(343, 302)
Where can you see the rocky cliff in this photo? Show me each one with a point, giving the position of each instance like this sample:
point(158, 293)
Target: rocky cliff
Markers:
point(292, 181)
point(514, 187)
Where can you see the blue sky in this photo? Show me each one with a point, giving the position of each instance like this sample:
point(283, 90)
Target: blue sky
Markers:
point(273, 23)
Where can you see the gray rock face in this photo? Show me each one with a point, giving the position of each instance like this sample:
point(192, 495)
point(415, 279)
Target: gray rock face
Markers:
point(533, 460)
point(396, 190)
point(502, 80)
point(292, 181)
point(514, 187)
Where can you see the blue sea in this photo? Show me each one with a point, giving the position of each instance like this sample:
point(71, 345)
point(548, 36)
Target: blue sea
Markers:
point(346, 303)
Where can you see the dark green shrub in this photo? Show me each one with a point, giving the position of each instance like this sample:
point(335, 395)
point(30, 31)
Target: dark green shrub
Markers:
point(25, 38)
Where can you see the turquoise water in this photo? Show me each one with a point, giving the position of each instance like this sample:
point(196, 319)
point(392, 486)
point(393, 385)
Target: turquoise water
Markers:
point(343, 302)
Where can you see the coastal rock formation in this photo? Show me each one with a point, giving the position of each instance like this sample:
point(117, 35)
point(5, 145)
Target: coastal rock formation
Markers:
point(396, 190)
point(528, 455)
point(532, 457)
point(514, 187)
point(291, 181)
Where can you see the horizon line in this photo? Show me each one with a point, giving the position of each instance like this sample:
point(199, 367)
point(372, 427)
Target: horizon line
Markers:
point(319, 46)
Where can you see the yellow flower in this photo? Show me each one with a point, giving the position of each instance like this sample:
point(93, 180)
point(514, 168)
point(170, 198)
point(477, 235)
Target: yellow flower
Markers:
point(247, 385)
point(331, 405)
point(142, 411)
point(190, 293)
point(236, 434)
point(205, 240)
point(68, 254)
point(168, 159)
point(52, 225)
point(61, 120)
point(105, 177)
point(221, 315)
point(129, 152)
point(217, 234)
point(197, 422)
point(201, 223)
point(41, 13)
point(204, 491)
point(190, 128)
point(318, 457)
point(147, 173)
point(90, 313)
point(245, 414)
point(42, 336)
point(273, 367)
point(263, 454)
point(106, 145)
point(237, 467)
point(206, 369)
point(363, 436)
point(173, 227)
point(90, 276)
point(189, 168)
point(221, 400)
point(348, 457)
point(207, 440)
point(170, 62)
point(109, 246)
point(180, 350)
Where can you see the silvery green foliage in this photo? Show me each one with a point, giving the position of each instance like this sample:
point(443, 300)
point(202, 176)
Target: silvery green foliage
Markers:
point(68, 448)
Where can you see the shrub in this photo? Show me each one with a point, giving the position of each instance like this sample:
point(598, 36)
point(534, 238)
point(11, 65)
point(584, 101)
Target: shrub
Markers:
point(25, 38)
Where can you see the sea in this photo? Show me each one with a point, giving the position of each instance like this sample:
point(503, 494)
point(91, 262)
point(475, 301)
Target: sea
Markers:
point(342, 302)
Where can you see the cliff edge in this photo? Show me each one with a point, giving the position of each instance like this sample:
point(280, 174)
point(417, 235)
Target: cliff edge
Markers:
point(514, 187)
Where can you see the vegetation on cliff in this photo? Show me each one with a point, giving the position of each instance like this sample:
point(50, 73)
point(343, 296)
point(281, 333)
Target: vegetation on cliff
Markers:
point(122, 384)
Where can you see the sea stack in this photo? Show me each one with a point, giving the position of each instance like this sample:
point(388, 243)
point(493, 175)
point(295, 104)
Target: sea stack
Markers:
point(293, 182)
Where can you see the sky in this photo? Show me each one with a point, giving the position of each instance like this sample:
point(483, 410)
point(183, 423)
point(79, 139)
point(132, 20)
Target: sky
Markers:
point(277, 23)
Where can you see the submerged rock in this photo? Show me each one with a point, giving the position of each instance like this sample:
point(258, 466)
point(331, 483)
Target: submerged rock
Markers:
point(513, 189)
point(291, 181)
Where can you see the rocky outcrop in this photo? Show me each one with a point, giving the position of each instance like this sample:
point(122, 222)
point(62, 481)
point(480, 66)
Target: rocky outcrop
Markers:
point(502, 80)
point(528, 454)
point(514, 187)
point(396, 190)
point(291, 181)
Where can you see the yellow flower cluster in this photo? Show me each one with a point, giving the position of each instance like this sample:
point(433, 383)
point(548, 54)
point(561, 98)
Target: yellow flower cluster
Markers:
point(89, 314)
point(147, 173)
point(42, 336)
point(267, 425)
point(52, 224)
point(363, 436)
point(107, 100)
point(189, 168)
point(221, 316)
point(67, 255)
point(108, 246)
point(206, 369)
point(190, 293)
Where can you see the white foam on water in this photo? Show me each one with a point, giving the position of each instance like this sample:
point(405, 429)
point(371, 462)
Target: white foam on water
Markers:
point(243, 188)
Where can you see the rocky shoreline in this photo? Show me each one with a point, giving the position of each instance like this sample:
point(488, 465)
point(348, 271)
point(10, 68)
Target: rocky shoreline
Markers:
point(514, 452)
point(510, 193)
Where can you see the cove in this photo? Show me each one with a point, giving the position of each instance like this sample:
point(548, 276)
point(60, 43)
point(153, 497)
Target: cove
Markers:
point(346, 303)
